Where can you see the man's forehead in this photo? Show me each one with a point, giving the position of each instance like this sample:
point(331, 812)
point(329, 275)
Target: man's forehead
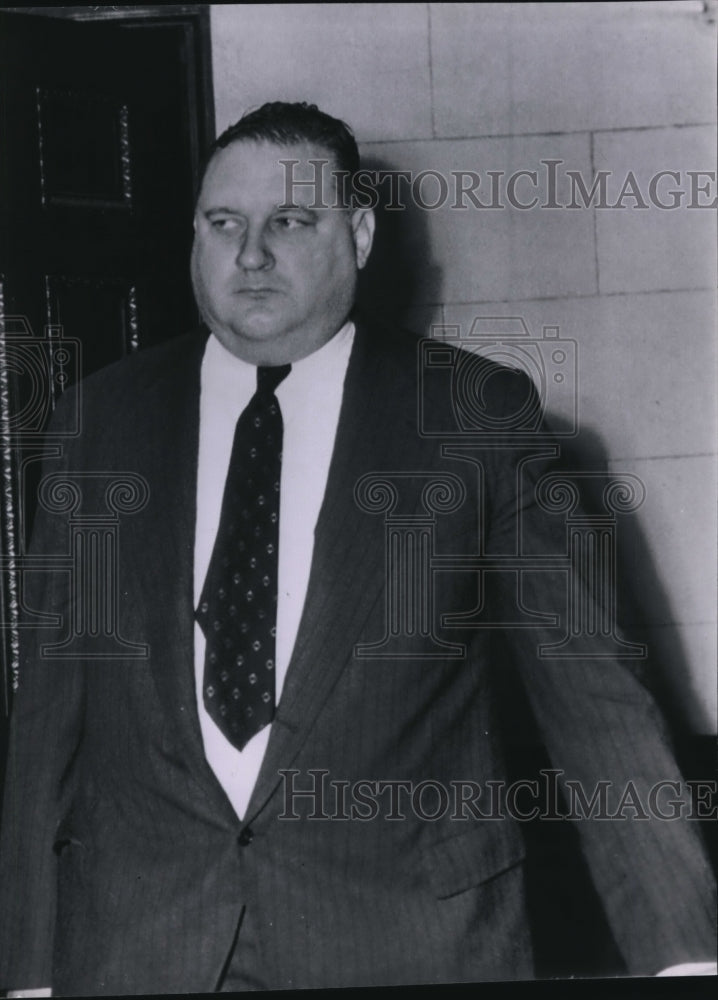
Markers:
point(294, 172)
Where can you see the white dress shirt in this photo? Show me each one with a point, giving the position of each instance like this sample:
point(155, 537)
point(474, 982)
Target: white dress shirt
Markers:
point(310, 399)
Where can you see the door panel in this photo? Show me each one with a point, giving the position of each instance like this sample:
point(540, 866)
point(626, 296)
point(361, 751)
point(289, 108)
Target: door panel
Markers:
point(98, 182)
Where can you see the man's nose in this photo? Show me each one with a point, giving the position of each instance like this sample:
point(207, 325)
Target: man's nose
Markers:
point(253, 253)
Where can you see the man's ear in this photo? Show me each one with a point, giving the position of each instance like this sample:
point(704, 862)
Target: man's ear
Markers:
point(363, 225)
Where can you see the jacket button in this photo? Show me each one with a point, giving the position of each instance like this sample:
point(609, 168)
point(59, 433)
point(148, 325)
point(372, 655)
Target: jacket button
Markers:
point(246, 837)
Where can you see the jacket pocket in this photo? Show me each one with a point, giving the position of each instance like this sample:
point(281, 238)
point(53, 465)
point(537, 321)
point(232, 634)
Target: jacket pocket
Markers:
point(470, 858)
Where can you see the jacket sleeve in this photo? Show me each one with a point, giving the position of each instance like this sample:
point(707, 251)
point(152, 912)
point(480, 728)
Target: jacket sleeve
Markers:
point(599, 724)
point(45, 732)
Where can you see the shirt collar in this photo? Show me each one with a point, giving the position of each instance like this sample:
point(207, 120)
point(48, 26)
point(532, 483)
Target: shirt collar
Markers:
point(229, 374)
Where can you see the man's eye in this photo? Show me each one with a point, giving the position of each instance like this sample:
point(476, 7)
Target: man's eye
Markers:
point(224, 225)
point(289, 222)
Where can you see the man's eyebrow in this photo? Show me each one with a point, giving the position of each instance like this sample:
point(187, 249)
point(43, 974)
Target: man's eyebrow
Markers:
point(220, 210)
point(293, 206)
point(280, 206)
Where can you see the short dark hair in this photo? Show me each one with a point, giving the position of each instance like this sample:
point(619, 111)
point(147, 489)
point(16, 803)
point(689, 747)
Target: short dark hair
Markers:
point(287, 123)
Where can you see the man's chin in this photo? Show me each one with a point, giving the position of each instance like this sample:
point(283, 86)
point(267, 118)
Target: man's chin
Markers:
point(271, 339)
point(257, 343)
point(258, 320)
point(258, 331)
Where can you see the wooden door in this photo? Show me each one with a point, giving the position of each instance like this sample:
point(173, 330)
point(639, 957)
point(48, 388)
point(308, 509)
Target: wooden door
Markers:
point(100, 145)
point(96, 184)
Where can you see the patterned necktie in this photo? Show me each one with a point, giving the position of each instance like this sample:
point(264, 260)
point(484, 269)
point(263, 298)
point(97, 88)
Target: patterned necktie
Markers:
point(238, 606)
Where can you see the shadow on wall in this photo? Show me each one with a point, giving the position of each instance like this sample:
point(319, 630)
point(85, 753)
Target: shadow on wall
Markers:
point(644, 608)
point(400, 272)
point(643, 602)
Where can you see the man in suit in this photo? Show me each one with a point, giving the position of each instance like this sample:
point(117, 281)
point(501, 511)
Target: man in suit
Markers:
point(262, 800)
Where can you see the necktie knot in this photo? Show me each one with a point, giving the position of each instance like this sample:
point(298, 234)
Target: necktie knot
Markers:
point(269, 377)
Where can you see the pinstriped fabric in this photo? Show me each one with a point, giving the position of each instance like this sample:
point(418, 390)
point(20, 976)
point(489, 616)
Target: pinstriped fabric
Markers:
point(156, 891)
point(35, 795)
point(599, 723)
point(379, 902)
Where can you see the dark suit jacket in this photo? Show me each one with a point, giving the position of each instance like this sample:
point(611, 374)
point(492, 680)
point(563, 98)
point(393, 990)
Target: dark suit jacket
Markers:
point(124, 867)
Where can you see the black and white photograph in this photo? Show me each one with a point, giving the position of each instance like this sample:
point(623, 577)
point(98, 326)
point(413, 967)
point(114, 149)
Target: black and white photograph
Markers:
point(358, 494)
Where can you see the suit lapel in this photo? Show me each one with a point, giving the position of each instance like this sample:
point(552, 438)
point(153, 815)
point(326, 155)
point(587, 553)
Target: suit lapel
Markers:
point(166, 548)
point(347, 572)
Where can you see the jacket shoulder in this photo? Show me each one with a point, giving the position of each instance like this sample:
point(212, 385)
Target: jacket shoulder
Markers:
point(141, 369)
point(119, 386)
point(472, 392)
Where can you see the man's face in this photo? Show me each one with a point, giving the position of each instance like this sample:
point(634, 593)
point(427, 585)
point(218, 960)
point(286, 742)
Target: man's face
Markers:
point(274, 284)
